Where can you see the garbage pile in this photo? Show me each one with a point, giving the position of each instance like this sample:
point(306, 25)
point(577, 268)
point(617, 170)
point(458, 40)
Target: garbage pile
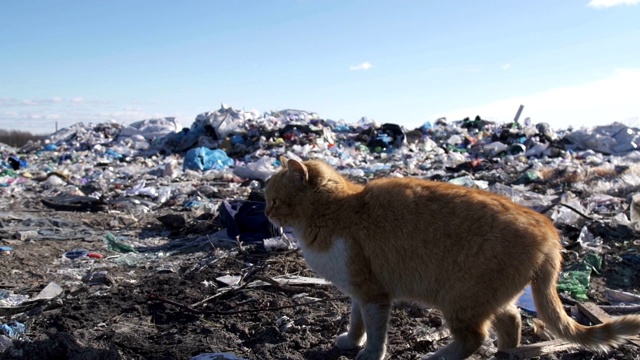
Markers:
point(154, 162)
point(204, 182)
point(237, 145)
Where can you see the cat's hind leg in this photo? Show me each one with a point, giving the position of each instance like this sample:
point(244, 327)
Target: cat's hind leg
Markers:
point(355, 336)
point(468, 336)
point(507, 324)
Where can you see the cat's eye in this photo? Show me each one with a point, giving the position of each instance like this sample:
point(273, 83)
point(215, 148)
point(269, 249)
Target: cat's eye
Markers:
point(274, 202)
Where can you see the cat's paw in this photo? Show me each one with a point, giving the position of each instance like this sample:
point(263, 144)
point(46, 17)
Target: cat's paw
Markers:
point(371, 354)
point(346, 342)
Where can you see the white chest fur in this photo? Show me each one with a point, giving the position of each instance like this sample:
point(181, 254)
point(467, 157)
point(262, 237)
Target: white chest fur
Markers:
point(331, 264)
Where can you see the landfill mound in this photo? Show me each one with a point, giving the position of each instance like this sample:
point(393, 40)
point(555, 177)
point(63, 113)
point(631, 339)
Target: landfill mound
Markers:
point(149, 241)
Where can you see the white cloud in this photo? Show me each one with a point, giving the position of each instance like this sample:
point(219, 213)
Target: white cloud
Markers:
point(127, 116)
point(42, 115)
point(133, 108)
point(364, 66)
point(600, 102)
point(34, 102)
point(506, 66)
point(599, 4)
point(11, 102)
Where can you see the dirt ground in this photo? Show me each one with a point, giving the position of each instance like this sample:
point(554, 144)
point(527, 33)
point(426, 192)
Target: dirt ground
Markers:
point(146, 309)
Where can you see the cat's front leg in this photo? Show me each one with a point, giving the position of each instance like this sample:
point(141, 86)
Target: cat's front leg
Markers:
point(376, 318)
point(355, 336)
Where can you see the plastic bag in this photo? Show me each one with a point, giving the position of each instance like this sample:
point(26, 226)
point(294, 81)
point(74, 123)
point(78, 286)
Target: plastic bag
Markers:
point(204, 159)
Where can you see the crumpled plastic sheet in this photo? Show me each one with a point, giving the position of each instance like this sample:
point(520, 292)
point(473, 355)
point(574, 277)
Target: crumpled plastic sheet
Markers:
point(151, 129)
point(141, 189)
point(13, 330)
point(204, 159)
point(564, 215)
point(9, 299)
point(5, 343)
point(260, 169)
point(589, 241)
point(616, 138)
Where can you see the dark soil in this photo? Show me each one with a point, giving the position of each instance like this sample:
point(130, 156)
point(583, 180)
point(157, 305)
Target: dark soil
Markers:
point(139, 311)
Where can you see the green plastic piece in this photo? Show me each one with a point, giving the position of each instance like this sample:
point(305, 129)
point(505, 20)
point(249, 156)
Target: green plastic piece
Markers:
point(114, 245)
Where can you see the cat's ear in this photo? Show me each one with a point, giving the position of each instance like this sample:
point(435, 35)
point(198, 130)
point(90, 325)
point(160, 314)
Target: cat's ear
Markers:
point(283, 162)
point(298, 171)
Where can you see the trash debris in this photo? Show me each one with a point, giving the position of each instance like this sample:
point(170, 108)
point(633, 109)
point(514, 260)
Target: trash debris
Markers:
point(204, 159)
point(74, 203)
point(5, 343)
point(576, 281)
point(260, 169)
point(284, 324)
point(234, 280)
point(97, 278)
point(216, 356)
point(11, 304)
point(634, 212)
point(173, 221)
point(13, 330)
point(246, 220)
point(26, 235)
point(467, 181)
point(130, 259)
point(525, 301)
point(279, 243)
point(616, 138)
point(166, 268)
point(8, 299)
point(76, 253)
point(618, 296)
point(299, 280)
point(113, 244)
point(150, 129)
point(229, 280)
point(594, 261)
point(49, 292)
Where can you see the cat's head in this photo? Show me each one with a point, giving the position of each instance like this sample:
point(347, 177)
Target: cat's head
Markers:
point(294, 191)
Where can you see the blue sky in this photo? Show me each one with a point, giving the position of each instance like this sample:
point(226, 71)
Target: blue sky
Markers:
point(570, 62)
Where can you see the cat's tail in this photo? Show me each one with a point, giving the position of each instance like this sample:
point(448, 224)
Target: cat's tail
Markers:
point(597, 337)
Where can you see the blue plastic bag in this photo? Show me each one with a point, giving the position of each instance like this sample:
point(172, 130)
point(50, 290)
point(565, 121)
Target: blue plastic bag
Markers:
point(76, 253)
point(14, 330)
point(205, 159)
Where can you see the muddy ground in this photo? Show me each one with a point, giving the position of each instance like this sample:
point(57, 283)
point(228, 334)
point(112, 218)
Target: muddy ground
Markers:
point(157, 308)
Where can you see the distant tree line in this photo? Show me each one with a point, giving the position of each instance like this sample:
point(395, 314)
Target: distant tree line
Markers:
point(17, 138)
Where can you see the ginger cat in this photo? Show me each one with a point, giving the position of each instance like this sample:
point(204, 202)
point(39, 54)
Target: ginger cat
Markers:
point(468, 253)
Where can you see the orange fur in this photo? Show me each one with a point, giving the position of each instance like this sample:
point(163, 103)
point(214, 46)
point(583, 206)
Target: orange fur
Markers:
point(464, 251)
